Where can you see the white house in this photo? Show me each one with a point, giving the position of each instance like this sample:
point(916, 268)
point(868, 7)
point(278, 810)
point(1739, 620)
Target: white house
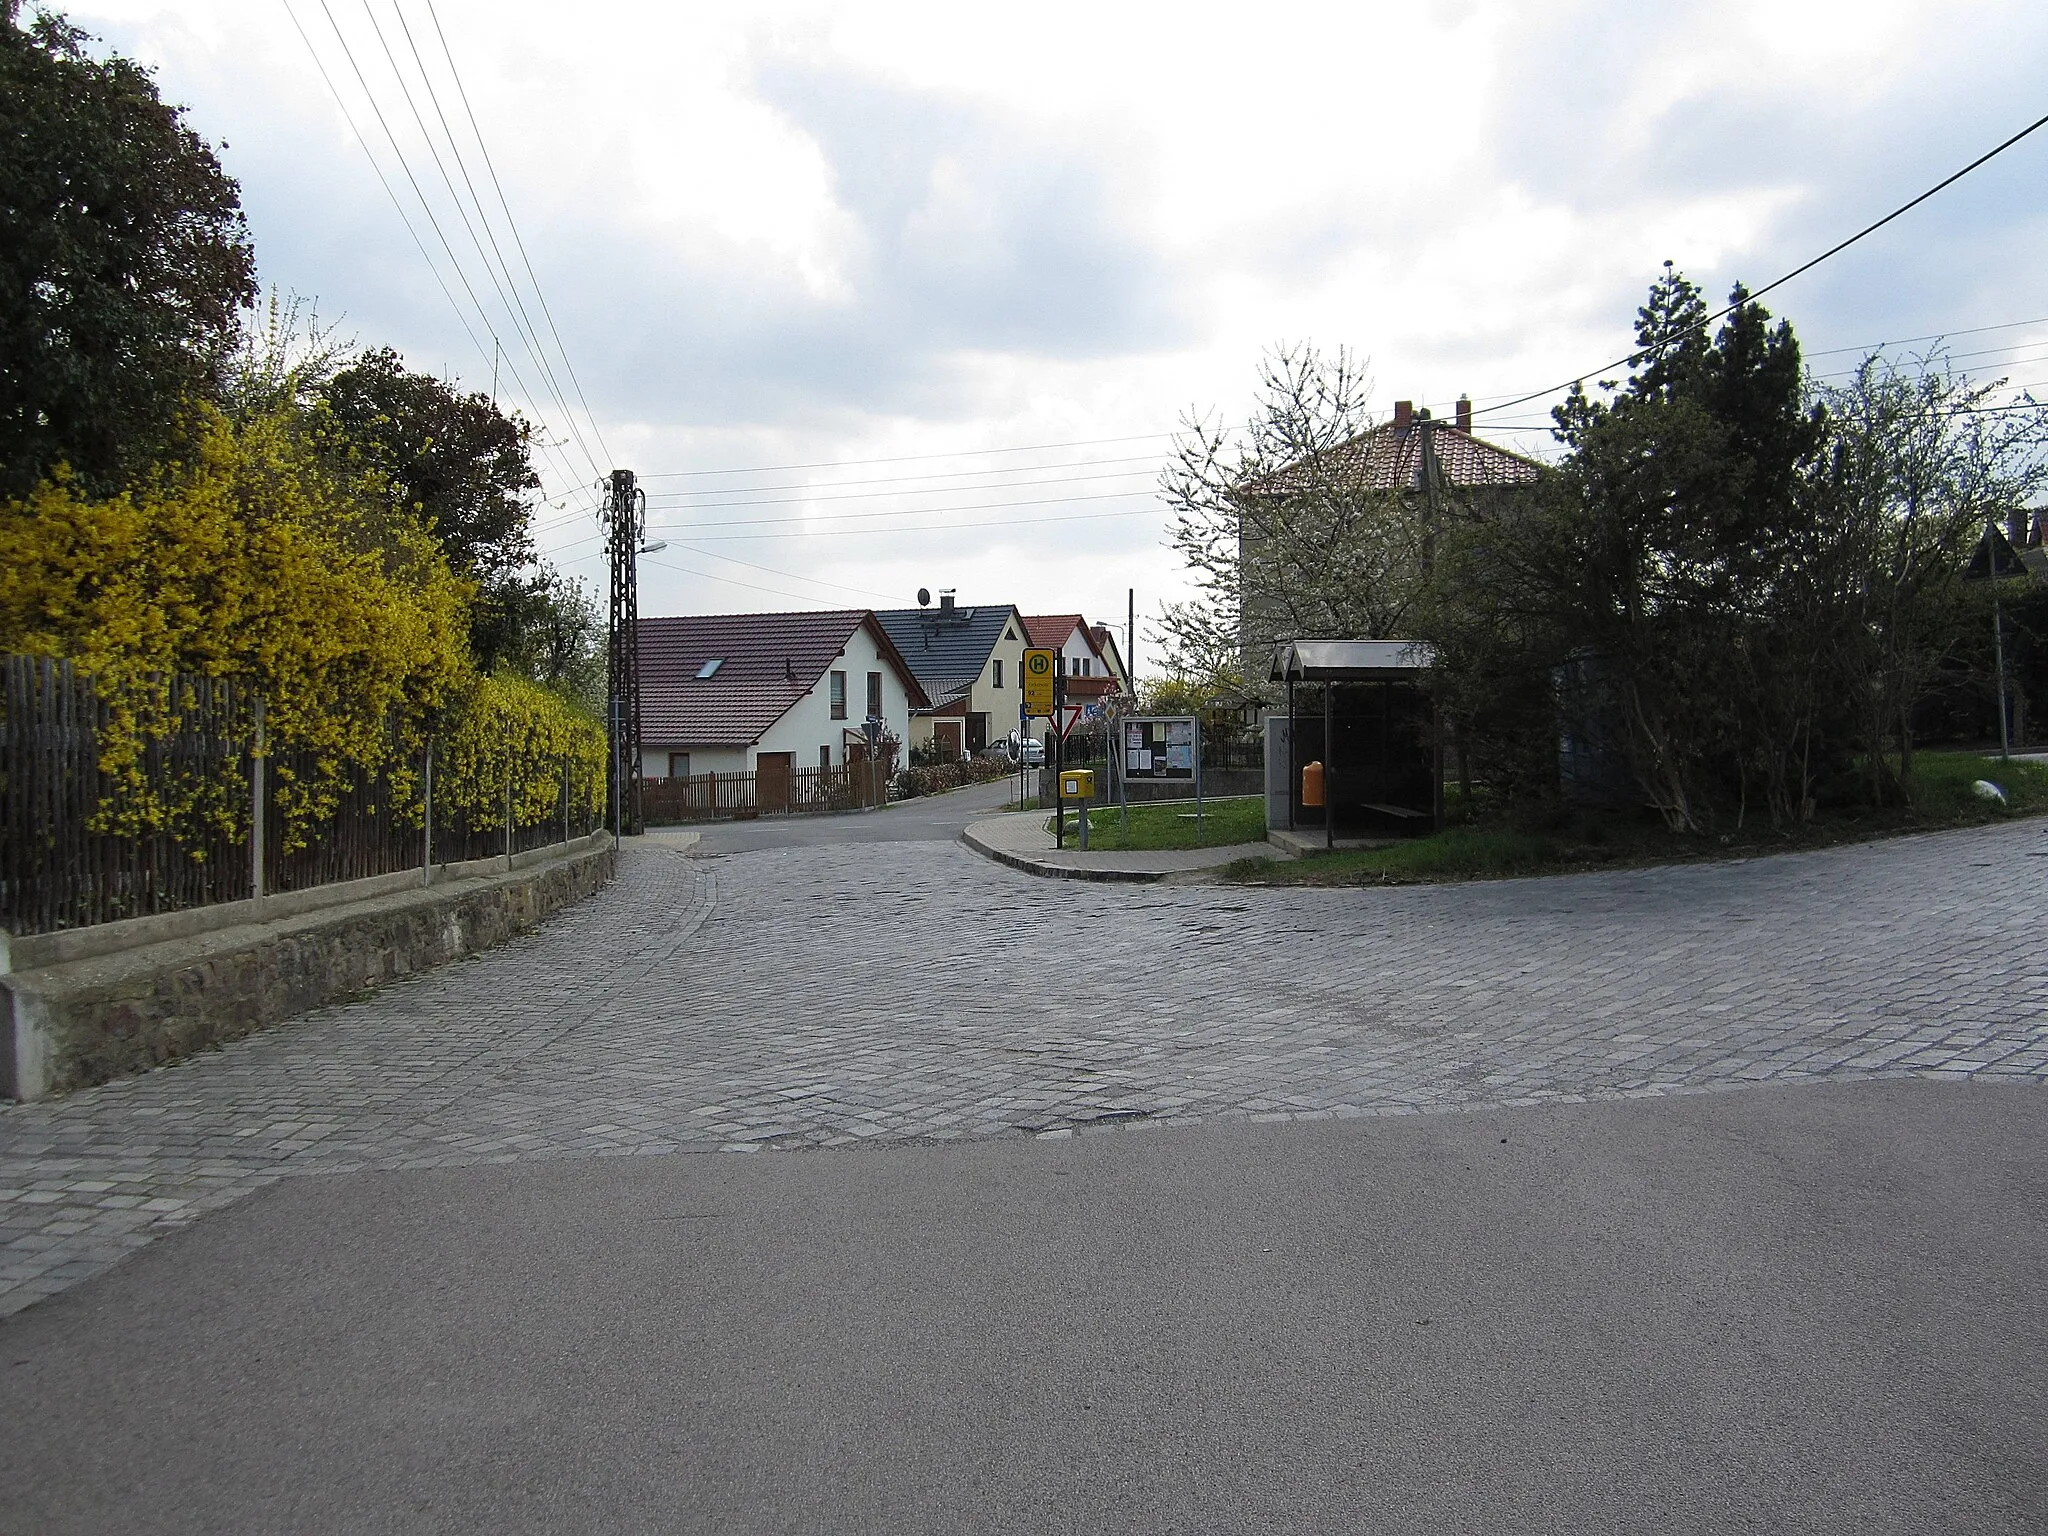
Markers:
point(734, 693)
point(968, 662)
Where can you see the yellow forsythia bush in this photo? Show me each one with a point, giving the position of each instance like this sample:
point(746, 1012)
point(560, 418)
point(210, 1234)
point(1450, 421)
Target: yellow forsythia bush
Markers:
point(255, 558)
point(509, 726)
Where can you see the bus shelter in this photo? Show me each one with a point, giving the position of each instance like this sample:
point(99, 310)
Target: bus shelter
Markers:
point(1366, 711)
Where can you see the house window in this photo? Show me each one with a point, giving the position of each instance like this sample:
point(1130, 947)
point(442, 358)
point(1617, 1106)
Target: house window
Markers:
point(710, 668)
point(875, 695)
point(838, 695)
point(999, 672)
point(679, 765)
point(824, 759)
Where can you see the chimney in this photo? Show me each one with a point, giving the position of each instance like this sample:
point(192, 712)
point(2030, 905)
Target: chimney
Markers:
point(1464, 413)
point(2016, 527)
point(946, 601)
point(1404, 415)
point(2040, 533)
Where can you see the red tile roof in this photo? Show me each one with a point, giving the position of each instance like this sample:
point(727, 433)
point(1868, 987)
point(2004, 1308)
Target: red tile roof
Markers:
point(767, 661)
point(1049, 631)
point(1389, 458)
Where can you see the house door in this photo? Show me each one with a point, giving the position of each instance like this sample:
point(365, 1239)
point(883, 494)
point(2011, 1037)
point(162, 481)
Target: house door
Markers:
point(772, 773)
point(977, 731)
point(950, 737)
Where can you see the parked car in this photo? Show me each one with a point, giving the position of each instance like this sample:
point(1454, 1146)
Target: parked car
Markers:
point(1029, 751)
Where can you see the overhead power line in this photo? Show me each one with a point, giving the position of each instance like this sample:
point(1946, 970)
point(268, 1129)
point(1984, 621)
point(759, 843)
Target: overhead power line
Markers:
point(512, 224)
point(925, 528)
point(426, 206)
point(733, 581)
point(911, 458)
point(1806, 266)
point(507, 287)
point(812, 500)
point(945, 474)
point(689, 530)
point(819, 581)
point(997, 522)
point(1907, 341)
point(578, 481)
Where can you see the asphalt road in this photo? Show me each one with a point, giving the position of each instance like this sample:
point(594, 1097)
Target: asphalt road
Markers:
point(926, 819)
point(1792, 1308)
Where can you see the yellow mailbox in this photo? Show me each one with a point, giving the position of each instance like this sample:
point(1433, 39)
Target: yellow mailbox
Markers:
point(1077, 783)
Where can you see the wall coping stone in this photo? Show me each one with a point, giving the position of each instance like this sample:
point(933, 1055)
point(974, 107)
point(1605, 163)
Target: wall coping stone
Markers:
point(37, 951)
point(102, 1014)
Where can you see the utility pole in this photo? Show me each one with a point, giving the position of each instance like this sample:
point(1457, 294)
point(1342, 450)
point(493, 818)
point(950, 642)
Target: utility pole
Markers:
point(1131, 637)
point(1432, 475)
point(625, 522)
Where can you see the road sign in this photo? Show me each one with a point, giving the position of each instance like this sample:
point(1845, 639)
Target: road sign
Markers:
point(1038, 675)
point(1070, 716)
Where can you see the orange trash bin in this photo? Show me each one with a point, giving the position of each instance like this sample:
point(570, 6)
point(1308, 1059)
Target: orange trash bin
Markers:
point(1312, 785)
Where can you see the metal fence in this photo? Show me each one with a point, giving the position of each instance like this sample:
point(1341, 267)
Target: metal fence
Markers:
point(1244, 754)
point(71, 855)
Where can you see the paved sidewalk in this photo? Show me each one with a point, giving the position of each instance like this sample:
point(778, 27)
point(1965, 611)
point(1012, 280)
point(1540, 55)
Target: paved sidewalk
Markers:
point(1021, 841)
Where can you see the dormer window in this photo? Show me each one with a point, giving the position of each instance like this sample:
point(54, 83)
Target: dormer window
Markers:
point(710, 668)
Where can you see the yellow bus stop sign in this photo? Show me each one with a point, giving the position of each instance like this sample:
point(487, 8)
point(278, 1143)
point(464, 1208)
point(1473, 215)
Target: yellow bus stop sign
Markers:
point(1038, 669)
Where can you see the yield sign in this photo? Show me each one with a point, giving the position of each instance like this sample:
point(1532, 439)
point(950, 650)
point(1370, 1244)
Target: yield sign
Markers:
point(1070, 716)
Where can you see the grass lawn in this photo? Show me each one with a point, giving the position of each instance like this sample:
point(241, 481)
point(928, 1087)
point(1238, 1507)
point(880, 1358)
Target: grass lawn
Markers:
point(1941, 792)
point(1171, 824)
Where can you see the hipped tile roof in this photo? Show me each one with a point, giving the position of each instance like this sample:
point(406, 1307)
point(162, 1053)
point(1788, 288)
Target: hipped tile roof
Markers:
point(767, 661)
point(1389, 458)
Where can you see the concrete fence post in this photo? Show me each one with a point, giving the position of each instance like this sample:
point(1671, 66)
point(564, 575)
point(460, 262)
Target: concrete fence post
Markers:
point(427, 818)
point(256, 799)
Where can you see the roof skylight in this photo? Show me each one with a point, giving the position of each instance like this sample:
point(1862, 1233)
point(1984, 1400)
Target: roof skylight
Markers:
point(710, 667)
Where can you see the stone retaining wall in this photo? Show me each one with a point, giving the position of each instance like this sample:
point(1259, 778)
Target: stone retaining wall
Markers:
point(80, 1014)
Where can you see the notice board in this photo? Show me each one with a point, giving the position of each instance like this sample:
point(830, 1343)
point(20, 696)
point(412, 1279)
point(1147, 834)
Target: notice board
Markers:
point(1160, 747)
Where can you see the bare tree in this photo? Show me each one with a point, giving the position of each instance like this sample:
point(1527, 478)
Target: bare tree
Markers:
point(1920, 458)
point(1282, 526)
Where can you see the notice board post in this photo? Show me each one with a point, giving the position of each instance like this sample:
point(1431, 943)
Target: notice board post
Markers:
point(1165, 748)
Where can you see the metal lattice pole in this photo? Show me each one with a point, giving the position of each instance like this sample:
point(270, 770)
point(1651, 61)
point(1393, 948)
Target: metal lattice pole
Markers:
point(625, 519)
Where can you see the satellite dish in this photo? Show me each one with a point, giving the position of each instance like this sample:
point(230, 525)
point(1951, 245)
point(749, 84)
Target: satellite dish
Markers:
point(924, 597)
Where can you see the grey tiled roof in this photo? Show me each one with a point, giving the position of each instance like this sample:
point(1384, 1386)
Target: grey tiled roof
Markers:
point(944, 646)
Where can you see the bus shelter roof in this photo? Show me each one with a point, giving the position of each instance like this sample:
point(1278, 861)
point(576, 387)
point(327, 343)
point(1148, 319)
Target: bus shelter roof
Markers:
point(1350, 661)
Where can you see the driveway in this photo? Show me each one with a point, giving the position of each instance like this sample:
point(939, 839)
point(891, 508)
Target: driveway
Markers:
point(435, 1268)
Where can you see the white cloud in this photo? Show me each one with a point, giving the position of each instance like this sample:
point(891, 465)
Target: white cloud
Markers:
point(790, 234)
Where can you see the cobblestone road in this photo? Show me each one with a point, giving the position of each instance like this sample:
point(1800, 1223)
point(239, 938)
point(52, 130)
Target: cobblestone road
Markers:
point(826, 995)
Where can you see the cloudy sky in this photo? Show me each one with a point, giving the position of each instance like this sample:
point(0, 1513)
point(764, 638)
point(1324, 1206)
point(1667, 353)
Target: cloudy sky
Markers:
point(876, 297)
